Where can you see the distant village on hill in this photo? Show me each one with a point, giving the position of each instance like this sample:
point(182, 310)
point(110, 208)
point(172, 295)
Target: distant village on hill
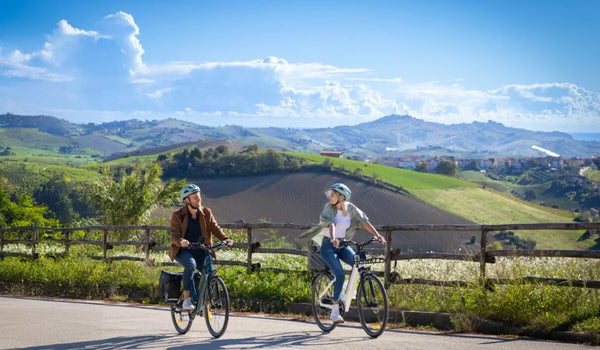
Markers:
point(412, 162)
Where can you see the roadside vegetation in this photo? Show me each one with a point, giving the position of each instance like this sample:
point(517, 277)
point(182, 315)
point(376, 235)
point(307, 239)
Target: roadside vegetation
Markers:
point(523, 307)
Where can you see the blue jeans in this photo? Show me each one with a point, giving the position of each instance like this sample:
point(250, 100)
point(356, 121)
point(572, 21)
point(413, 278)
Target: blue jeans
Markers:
point(332, 255)
point(190, 260)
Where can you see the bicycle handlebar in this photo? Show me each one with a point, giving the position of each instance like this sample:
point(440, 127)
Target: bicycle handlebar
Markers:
point(193, 246)
point(358, 245)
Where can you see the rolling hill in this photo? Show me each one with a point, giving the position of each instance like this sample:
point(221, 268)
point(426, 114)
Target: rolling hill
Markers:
point(388, 136)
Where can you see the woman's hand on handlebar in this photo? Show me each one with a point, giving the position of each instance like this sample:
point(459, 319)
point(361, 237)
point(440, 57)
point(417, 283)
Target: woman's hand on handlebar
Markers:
point(381, 239)
point(228, 242)
point(184, 242)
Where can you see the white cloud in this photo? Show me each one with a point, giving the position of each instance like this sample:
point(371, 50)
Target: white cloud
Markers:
point(122, 28)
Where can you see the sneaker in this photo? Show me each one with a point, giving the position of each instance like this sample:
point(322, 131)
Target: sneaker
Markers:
point(335, 314)
point(187, 304)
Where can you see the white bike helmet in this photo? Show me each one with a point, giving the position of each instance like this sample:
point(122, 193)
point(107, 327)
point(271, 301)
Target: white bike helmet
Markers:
point(187, 190)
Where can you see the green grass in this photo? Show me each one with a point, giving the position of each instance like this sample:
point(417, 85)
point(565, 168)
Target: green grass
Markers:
point(408, 179)
point(491, 207)
point(592, 174)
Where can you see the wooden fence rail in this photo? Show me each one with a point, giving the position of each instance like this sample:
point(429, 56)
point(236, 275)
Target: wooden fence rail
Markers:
point(485, 256)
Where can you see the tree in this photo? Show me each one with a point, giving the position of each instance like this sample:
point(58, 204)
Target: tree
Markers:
point(222, 150)
point(423, 167)
point(128, 199)
point(251, 148)
point(56, 195)
point(446, 167)
point(24, 212)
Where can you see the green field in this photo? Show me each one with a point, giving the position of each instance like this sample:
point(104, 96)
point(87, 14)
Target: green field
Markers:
point(28, 172)
point(408, 179)
point(486, 206)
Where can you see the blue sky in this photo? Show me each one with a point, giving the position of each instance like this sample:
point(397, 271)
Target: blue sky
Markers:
point(527, 64)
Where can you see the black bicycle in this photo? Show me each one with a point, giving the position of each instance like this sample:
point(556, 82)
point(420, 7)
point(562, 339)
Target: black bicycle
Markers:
point(211, 300)
point(371, 297)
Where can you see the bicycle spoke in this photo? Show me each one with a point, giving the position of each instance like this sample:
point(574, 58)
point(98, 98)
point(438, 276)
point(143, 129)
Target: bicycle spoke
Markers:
point(182, 318)
point(216, 306)
point(373, 310)
point(322, 299)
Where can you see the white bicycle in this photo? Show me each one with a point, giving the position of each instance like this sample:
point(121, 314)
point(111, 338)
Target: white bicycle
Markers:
point(363, 285)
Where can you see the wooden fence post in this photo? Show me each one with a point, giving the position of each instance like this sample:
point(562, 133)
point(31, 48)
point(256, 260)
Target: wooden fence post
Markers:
point(483, 253)
point(388, 259)
point(34, 240)
point(105, 244)
point(147, 245)
point(67, 242)
point(249, 230)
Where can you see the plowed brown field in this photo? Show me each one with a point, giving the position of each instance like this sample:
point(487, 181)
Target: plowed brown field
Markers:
point(299, 197)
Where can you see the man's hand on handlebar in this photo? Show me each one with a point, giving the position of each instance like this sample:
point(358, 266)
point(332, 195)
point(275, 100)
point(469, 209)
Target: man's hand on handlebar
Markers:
point(228, 242)
point(184, 242)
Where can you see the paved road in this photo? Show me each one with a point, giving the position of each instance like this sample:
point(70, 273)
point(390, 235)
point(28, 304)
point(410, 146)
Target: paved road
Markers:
point(35, 323)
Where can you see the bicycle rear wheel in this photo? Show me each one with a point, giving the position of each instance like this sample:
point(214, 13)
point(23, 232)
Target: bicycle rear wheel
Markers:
point(182, 318)
point(322, 300)
point(216, 306)
point(373, 309)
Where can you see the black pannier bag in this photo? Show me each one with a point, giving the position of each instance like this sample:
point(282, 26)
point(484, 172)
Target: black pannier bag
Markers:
point(315, 262)
point(169, 285)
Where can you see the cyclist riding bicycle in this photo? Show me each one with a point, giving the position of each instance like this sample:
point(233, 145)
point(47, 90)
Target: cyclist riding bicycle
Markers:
point(339, 220)
point(193, 223)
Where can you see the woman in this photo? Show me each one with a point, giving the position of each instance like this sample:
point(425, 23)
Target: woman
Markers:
point(339, 220)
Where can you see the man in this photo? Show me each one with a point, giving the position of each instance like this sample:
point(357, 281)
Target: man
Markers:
point(192, 224)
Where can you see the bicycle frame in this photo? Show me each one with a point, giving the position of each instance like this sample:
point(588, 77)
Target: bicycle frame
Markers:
point(350, 288)
point(207, 270)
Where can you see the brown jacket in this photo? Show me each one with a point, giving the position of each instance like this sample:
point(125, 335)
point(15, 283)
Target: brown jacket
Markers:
point(208, 225)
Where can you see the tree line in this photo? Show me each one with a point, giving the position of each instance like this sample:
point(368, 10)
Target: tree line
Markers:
point(220, 161)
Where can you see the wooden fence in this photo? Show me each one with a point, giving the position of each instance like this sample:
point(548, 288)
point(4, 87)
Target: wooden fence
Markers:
point(31, 236)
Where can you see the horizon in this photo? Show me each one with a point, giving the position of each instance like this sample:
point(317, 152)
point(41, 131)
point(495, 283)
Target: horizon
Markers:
point(304, 64)
point(579, 136)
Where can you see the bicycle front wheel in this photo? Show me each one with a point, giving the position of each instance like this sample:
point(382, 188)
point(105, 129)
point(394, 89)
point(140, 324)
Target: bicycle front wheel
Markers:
point(182, 318)
point(216, 306)
point(373, 308)
point(322, 300)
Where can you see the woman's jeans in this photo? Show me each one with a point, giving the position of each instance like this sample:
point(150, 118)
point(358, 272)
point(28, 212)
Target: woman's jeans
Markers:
point(332, 255)
point(190, 260)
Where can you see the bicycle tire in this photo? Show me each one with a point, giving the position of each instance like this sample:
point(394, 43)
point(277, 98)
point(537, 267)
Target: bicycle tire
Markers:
point(182, 318)
point(373, 308)
point(321, 313)
point(216, 306)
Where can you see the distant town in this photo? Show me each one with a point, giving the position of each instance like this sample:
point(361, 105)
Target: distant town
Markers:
point(412, 162)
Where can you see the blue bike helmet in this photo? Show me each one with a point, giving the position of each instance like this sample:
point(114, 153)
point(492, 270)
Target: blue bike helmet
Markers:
point(341, 189)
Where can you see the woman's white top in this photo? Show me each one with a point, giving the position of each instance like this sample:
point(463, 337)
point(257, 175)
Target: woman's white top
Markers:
point(342, 223)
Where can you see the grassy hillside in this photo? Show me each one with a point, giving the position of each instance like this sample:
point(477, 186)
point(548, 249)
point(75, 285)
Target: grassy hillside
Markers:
point(410, 180)
point(487, 206)
point(28, 174)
